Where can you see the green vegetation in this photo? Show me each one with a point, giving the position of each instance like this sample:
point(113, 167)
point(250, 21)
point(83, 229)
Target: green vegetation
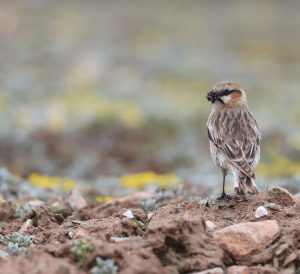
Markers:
point(16, 243)
point(142, 225)
point(81, 249)
point(104, 267)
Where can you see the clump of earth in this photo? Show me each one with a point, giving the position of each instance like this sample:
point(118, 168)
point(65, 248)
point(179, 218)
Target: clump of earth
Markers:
point(239, 234)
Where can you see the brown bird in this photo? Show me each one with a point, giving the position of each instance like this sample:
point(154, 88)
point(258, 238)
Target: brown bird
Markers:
point(234, 136)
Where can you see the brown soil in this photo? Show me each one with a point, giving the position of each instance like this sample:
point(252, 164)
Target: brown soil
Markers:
point(130, 150)
point(172, 239)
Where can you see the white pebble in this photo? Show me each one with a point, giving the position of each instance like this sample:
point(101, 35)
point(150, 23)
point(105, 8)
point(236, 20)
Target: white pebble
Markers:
point(26, 225)
point(261, 212)
point(210, 225)
point(150, 215)
point(35, 203)
point(3, 254)
point(70, 235)
point(128, 214)
point(124, 239)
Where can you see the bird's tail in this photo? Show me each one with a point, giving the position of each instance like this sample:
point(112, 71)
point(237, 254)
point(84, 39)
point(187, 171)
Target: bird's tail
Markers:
point(246, 185)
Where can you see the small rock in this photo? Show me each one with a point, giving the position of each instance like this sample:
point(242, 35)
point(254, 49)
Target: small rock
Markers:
point(124, 239)
point(204, 202)
point(3, 254)
point(276, 262)
point(79, 233)
point(242, 239)
point(261, 212)
point(281, 249)
point(210, 225)
point(26, 225)
point(228, 216)
point(250, 270)
point(78, 222)
point(76, 200)
point(149, 216)
point(290, 270)
point(35, 203)
point(70, 235)
point(128, 214)
point(55, 204)
point(217, 270)
point(281, 196)
point(236, 269)
point(272, 206)
point(290, 258)
point(118, 239)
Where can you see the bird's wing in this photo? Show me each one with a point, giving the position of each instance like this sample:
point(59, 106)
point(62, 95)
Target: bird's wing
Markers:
point(236, 136)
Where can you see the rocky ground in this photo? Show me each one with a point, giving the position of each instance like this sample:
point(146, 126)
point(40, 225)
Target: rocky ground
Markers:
point(94, 92)
point(241, 234)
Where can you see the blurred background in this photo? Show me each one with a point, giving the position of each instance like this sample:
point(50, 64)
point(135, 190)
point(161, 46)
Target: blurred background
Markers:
point(111, 94)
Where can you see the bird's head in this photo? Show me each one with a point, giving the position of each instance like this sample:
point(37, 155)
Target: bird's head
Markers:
point(227, 93)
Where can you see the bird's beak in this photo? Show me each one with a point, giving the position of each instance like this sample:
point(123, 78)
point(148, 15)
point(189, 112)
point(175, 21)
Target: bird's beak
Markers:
point(211, 96)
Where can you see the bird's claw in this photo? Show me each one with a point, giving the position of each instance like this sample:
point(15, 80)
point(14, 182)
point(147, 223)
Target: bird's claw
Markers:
point(239, 191)
point(224, 196)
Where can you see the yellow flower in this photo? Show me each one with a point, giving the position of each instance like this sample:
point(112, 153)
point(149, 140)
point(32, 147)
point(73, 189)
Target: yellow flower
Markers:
point(44, 181)
point(85, 101)
point(130, 115)
point(56, 117)
point(68, 184)
point(141, 180)
point(104, 199)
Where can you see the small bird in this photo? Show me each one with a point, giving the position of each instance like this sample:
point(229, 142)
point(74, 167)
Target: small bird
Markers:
point(233, 136)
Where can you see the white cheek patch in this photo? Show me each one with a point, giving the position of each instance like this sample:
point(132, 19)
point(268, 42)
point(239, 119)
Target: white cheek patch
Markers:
point(226, 98)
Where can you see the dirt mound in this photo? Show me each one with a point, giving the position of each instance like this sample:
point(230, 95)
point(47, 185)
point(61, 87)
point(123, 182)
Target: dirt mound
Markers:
point(7, 211)
point(39, 263)
point(177, 237)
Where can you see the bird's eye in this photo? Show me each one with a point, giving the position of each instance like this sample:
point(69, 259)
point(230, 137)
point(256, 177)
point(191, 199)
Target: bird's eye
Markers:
point(226, 91)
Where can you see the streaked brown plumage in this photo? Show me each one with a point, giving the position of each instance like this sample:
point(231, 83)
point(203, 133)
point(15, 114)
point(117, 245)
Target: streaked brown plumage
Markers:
point(234, 136)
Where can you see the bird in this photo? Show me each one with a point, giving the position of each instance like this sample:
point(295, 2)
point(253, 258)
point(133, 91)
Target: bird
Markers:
point(234, 136)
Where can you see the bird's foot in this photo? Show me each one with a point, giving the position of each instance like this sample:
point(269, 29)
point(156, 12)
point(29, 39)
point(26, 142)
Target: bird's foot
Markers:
point(253, 191)
point(239, 190)
point(251, 187)
point(242, 189)
point(224, 196)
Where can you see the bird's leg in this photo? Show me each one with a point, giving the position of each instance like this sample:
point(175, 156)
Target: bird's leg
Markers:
point(224, 172)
